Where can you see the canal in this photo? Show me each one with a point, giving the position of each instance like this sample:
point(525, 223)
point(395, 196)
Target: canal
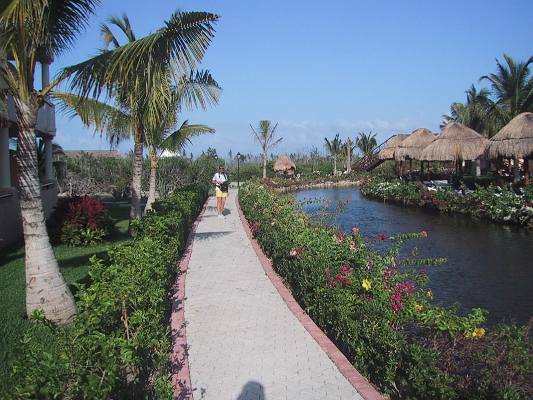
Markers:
point(488, 265)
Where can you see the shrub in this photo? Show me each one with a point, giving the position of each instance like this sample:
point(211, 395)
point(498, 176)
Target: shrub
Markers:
point(377, 307)
point(119, 343)
point(80, 221)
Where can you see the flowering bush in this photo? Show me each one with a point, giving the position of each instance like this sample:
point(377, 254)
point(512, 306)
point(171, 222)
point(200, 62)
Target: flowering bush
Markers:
point(494, 203)
point(375, 306)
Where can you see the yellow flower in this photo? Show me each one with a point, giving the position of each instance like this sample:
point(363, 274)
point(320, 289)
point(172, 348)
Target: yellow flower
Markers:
point(418, 307)
point(430, 294)
point(366, 284)
point(478, 333)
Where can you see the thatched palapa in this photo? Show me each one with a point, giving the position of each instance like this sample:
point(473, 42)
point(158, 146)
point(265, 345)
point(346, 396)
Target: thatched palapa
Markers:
point(456, 142)
point(387, 153)
point(514, 140)
point(412, 146)
point(284, 166)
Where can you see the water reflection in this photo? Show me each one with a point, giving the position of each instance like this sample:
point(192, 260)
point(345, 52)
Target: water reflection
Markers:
point(489, 266)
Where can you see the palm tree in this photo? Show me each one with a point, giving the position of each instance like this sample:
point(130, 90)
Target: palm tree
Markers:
point(366, 143)
point(165, 140)
point(30, 32)
point(265, 136)
point(335, 149)
point(512, 89)
point(140, 75)
point(477, 113)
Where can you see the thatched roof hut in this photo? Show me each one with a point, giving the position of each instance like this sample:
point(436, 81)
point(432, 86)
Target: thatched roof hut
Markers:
point(412, 147)
point(284, 166)
point(514, 140)
point(387, 152)
point(455, 142)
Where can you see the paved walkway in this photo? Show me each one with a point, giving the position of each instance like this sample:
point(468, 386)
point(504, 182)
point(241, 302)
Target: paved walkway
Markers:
point(238, 332)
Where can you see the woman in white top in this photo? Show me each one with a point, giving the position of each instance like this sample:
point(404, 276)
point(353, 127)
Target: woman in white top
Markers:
point(218, 178)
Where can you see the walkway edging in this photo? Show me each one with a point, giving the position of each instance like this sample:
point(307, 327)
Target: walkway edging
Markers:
point(181, 376)
point(358, 381)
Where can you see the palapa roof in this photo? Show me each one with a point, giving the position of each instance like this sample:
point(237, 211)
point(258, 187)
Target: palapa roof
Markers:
point(413, 146)
point(387, 152)
point(514, 140)
point(284, 164)
point(455, 142)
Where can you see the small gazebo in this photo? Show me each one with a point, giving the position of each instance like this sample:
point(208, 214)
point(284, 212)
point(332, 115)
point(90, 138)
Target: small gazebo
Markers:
point(284, 166)
point(455, 143)
point(411, 148)
point(514, 140)
point(389, 150)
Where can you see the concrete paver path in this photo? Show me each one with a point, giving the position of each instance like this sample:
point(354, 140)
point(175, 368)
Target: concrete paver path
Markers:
point(243, 340)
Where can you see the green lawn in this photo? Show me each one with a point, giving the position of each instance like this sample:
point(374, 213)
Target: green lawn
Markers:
point(73, 262)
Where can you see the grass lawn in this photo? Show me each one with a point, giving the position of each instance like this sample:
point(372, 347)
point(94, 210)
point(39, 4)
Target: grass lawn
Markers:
point(73, 262)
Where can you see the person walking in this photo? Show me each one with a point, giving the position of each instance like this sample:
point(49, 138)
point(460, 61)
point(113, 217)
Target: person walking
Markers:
point(220, 180)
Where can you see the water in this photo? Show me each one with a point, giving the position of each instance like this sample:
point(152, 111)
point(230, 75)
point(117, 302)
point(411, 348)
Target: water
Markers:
point(489, 265)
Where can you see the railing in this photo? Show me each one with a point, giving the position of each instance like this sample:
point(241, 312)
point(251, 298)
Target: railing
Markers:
point(371, 159)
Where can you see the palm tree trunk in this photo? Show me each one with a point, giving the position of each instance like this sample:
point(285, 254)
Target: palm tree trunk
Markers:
point(135, 211)
point(46, 288)
point(264, 165)
point(151, 190)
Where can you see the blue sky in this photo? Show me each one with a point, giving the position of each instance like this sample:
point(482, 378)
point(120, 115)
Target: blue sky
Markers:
point(318, 68)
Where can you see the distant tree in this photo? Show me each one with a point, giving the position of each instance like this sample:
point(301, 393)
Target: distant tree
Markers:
point(366, 143)
point(334, 148)
point(265, 136)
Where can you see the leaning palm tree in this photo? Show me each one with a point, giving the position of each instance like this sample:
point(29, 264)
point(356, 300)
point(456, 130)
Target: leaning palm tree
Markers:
point(335, 150)
point(140, 75)
point(265, 136)
point(30, 32)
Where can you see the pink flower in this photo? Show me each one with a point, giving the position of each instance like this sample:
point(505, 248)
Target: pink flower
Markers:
point(355, 230)
point(382, 236)
point(255, 226)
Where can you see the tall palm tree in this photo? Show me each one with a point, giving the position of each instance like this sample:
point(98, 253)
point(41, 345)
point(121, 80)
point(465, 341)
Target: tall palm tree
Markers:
point(366, 143)
point(30, 32)
point(140, 76)
point(175, 141)
point(335, 150)
point(512, 89)
point(265, 136)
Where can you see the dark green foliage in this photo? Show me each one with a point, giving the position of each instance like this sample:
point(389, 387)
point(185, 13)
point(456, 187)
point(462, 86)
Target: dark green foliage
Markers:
point(119, 344)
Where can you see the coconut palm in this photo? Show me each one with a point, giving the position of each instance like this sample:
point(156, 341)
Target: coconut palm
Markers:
point(512, 89)
point(140, 76)
point(366, 143)
point(476, 114)
point(30, 32)
point(335, 150)
point(116, 121)
point(265, 136)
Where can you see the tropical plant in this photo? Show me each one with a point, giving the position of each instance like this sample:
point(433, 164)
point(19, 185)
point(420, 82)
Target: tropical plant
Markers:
point(30, 32)
point(175, 141)
point(477, 113)
point(139, 78)
point(335, 150)
point(366, 143)
point(512, 89)
point(265, 136)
